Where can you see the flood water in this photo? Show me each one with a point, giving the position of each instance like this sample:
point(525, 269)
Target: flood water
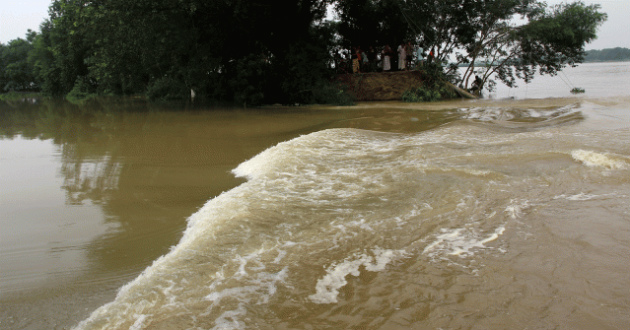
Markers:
point(488, 214)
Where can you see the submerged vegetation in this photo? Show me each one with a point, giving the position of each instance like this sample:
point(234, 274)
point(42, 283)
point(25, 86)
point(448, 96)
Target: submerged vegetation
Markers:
point(434, 87)
point(427, 94)
point(577, 90)
point(16, 96)
point(256, 52)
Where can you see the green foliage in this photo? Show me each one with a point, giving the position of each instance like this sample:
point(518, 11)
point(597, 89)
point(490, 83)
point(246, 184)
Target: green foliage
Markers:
point(16, 72)
point(167, 89)
point(330, 93)
point(483, 35)
point(303, 71)
point(375, 23)
point(247, 52)
point(248, 83)
point(421, 94)
point(428, 93)
point(19, 96)
point(280, 51)
point(557, 37)
point(577, 90)
point(434, 87)
point(44, 62)
point(68, 39)
point(551, 40)
point(82, 91)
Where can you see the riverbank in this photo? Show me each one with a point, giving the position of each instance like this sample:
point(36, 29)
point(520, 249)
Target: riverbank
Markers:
point(388, 86)
point(380, 86)
point(19, 96)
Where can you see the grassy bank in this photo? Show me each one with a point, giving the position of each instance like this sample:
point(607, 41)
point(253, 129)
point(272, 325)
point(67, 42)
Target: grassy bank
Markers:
point(20, 96)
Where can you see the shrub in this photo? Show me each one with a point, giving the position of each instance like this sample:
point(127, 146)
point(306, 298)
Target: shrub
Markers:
point(332, 94)
point(82, 91)
point(167, 89)
point(577, 90)
point(428, 93)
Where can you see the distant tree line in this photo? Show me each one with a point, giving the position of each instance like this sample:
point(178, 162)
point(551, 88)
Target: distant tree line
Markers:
point(608, 55)
point(250, 52)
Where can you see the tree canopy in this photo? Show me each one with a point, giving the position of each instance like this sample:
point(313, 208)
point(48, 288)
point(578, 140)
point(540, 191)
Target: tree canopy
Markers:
point(281, 51)
point(16, 72)
point(506, 39)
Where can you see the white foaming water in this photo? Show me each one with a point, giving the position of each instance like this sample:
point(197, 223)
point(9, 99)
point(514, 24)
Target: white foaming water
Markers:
point(460, 242)
point(511, 114)
point(284, 158)
point(139, 324)
point(263, 288)
point(327, 288)
point(582, 196)
point(515, 208)
point(605, 160)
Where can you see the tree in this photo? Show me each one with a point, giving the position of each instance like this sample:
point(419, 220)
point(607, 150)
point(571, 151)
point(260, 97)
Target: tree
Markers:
point(368, 23)
point(279, 51)
point(548, 42)
point(44, 62)
point(61, 49)
point(16, 72)
point(484, 36)
point(3, 80)
point(248, 52)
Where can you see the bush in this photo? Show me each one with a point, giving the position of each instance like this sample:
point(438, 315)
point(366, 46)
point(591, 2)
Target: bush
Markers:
point(20, 96)
point(426, 93)
point(167, 89)
point(434, 86)
point(332, 94)
point(82, 91)
point(577, 90)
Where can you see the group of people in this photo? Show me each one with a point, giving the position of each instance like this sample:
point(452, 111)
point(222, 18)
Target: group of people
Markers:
point(406, 57)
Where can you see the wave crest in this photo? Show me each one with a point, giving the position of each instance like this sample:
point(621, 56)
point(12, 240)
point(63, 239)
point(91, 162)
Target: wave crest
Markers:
point(605, 160)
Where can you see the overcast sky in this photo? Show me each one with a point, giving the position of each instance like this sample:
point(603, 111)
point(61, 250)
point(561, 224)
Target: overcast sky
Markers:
point(17, 16)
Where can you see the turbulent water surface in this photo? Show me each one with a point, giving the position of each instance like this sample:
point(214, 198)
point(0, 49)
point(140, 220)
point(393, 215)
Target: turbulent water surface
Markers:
point(457, 215)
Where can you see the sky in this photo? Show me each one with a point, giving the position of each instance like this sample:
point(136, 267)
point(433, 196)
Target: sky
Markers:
point(17, 16)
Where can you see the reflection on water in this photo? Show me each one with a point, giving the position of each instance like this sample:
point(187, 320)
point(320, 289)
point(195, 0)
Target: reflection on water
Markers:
point(36, 223)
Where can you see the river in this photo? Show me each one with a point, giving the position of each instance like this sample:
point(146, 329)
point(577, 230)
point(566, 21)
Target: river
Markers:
point(507, 212)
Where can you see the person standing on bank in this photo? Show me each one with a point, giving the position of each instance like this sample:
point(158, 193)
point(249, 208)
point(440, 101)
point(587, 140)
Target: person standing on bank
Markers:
point(365, 61)
point(402, 57)
point(356, 60)
point(420, 55)
point(387, 64)
point(372, 59)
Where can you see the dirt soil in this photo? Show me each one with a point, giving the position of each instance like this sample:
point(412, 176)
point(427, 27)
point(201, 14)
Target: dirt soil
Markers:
point(380, 86)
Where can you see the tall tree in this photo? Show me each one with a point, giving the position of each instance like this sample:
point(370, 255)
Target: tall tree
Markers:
point(506, 39)
point(243, 51)
point(371, 23)
point(16, 72)
point(266, 51)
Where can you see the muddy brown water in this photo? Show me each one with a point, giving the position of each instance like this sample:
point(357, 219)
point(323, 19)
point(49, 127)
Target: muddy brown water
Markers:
point(488, 214)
